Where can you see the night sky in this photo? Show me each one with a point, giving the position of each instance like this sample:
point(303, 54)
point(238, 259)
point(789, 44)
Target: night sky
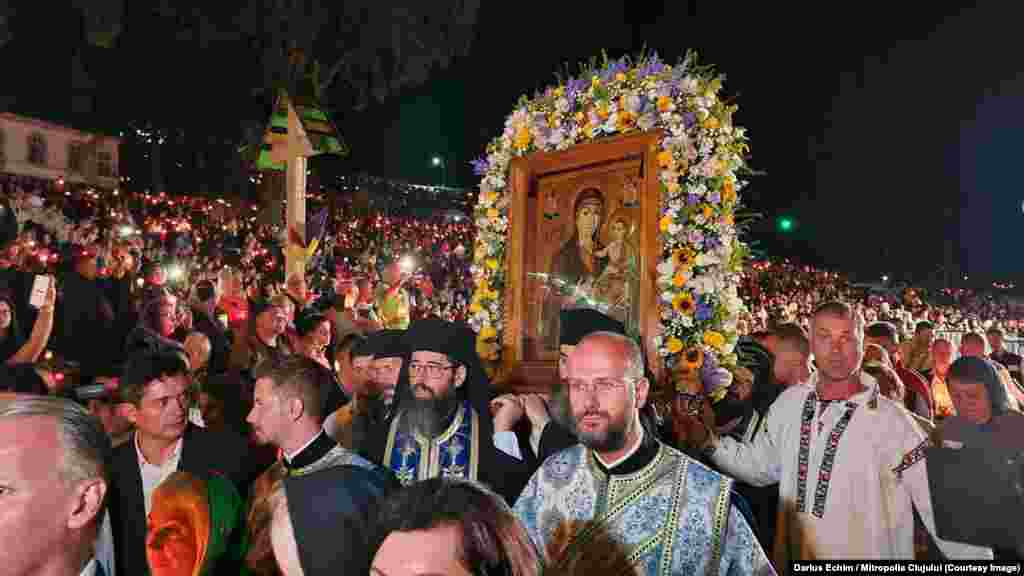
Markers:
point(885, 134)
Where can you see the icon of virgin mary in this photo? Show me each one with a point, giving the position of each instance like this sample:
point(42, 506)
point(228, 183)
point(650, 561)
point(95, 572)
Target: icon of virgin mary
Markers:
point(577, 263)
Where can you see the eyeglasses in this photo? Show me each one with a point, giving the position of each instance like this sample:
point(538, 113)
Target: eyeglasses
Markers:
point(431, 370)
point(598, 386)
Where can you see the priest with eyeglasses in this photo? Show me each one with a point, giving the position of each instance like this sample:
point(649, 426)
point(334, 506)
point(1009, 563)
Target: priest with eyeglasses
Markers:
point(442, 425)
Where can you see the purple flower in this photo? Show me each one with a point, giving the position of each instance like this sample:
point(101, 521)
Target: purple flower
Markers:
point(715, 197)
point(480, 166)
point(689, 119)
point(712, 242)
point(710, 360)
point(695, 236)
point(703, 312)
point(692, 199)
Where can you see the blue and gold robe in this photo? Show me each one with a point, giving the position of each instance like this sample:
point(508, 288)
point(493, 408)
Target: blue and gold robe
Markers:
point(671, 516)
point(455, 452)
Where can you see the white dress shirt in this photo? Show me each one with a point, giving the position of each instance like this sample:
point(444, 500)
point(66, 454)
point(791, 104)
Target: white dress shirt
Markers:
point(153, 475)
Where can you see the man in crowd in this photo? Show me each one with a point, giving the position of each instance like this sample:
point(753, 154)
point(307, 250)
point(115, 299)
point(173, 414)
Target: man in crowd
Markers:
point(973, 344)
point(287, 413)
point(942, 359)
point(1000, 354)
point(918, 394)
point(206, 321)
point(828, 444)
point(443, 425)
point(392, 299)
point(54, 476)
point(551, 419)
point(155, 396)
point(792, 363)
point(623, 478)
point(916, 351)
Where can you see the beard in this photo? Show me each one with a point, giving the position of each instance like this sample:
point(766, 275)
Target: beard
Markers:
point(428, 416)
point(612, 438)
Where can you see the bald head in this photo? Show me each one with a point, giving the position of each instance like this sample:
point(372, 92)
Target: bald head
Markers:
point(618, 347)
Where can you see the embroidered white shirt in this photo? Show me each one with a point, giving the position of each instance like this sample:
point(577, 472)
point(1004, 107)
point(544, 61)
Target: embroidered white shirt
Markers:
point(841, 489)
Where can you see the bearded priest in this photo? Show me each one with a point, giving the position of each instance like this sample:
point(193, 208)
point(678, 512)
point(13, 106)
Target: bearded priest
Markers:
point(442, 424)
point(669, 514)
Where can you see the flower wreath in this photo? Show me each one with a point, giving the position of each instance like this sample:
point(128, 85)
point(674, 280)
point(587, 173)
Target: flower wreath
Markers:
point(699, 162)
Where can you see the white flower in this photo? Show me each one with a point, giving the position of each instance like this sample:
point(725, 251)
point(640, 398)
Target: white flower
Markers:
point(707, 259)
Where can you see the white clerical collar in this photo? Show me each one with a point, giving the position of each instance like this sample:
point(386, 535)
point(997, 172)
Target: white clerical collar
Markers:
point(90, 568)
point(628, 454)
point(172, 458)
point(292, 456)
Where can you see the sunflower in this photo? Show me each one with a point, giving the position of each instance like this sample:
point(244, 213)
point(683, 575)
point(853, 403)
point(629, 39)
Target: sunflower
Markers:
point(693, 358)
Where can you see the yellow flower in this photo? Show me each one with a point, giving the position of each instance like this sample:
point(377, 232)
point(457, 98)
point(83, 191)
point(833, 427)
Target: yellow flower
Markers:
point(683, 302)
point(729, 219)
point(489, 196)
point(665, 158)
point(595, 81)
point(728, 192)
point(588, 130)
point(714, 339)
point(707, 211)
point(683, 259)
point(664, 223)
point(679, 280)
point(602, 111)
point(664, 103)
point(522, 138)
point(487, 350)
point(493, 213)
point(488, 332)
point(675, 345)
point(492, 263)
point(560, 90)
point(673, 187)
point(620, 77)
point(580, 118)
point(474, 307)
point(711, 123)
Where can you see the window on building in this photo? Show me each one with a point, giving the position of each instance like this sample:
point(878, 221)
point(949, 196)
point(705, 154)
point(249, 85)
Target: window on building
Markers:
point(37, 149)
point(105, 164)
point(76, 157)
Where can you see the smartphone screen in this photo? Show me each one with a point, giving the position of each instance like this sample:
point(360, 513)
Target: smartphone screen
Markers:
point(40, 287)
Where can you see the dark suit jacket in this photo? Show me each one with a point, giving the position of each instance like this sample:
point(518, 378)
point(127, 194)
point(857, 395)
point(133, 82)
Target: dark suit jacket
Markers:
point(220, 346)
point(203, 453)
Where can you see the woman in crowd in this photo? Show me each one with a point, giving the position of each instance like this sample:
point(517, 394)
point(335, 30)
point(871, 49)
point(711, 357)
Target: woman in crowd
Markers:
point(194, 527)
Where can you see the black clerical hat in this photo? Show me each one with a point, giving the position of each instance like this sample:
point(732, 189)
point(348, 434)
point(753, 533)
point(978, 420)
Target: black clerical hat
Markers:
point(577, 323)
point(332, 515)
point(384, 344)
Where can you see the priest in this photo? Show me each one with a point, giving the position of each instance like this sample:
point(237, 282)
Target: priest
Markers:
point(668, 513)
point(442, 425)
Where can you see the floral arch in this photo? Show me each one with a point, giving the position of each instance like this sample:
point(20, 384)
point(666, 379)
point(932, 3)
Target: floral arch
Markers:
point(701, 169)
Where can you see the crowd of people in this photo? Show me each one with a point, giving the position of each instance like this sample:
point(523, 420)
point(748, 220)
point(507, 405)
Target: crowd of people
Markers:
point(172, 403)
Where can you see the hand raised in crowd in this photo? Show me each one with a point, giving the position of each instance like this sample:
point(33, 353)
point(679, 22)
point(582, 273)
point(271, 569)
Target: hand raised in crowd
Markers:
point(507, 410)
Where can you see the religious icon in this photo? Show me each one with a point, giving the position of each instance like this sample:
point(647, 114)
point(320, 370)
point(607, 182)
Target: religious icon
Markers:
point(616, 289)
point(576, 264)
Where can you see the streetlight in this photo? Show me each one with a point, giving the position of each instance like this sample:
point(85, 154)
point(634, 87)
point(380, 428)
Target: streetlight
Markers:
point(439, 162)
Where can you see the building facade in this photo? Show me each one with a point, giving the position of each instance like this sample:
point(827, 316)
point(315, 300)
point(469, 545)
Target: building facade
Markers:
point(50, 152)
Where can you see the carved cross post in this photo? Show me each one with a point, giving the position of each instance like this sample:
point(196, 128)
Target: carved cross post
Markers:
point(295, 196)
